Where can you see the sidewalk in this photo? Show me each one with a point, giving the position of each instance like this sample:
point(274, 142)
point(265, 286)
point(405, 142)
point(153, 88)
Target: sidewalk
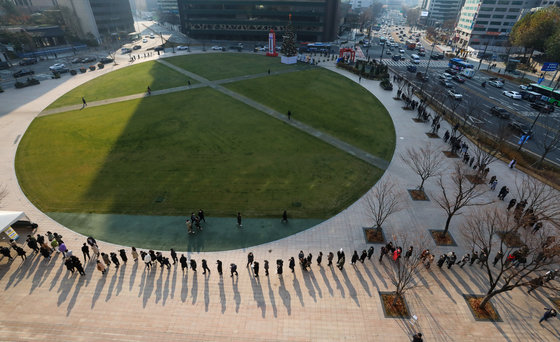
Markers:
point(46, 302)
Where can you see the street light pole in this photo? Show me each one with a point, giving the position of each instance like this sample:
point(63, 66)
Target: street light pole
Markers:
point(382, 49)
point(430, 59)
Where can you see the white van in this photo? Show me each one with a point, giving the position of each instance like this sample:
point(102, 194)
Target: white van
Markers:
point(415, 59)
point(467, 72)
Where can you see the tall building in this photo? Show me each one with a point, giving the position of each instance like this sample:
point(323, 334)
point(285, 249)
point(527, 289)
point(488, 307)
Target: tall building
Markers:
point(357, 4)
point(168, 6)
point(98, 17)
point(440, 11)
point(485, 23)
point(313, 20)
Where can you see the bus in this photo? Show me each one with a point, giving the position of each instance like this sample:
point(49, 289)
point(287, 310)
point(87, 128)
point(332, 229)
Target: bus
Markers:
point(415, 59)
point(548, 94)
point(459, 64)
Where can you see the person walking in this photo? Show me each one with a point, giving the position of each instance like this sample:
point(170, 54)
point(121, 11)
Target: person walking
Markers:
point(219, 263)
point(134, 254)
point(370, 253)
point(266, 268)
point(5, 251)
point(482, 259)
point(292, 264)
point(441, 261)
point(250, 259)
point(279, 266)
point(233, 269)
point(183, 262)
point(319, 258)
point(173, 256)
point(201, 216)
point(493, 185)
point(474, 258)
point(451, 258)
point(239, 220)
point(464, 260)
point(149, 91)
point(256, 269)
point(205, 267)
point(330, 258)
point(417, 338)
point(289, 115)
point(284, 217)
point(193, 265)
point(339, 255)
point(84, 103)
point(548, 314)
point(100, 267)
point(85, 252)
point(512, 163)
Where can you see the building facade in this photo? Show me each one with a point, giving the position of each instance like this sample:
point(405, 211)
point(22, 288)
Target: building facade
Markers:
point(486, 24)
point(313, 20)
point(440, 11)
point(168, 6)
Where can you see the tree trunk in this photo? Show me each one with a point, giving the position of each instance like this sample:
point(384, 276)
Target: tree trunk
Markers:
point(421, 188)
point(486, 299)
point(449, 216)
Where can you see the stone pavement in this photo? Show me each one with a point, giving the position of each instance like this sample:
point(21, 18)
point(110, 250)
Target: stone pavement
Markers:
point(41, 300)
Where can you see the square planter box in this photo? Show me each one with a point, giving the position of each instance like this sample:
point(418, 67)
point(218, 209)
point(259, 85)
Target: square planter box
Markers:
point(446, 241)
point(488, 315)
point(374, 235)
point(400, 310)
point(418, 195)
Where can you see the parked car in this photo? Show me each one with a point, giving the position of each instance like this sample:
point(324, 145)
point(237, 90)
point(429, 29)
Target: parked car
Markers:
point(106, 60)
point(520, 128)
point(458, 78)
point(496, 84)
point(452, 93)
point(182, 47)
point(76, 60)
point(512, 94)
point(144, 40)
point(152, 36)
point(23, 72)
point(500, 112)
point(543, 107)
point(136, 47)
point(125, 51)
point(436, 56)
point(218, 48)
point(28, 61)
point(88, 59)
point(59, 68)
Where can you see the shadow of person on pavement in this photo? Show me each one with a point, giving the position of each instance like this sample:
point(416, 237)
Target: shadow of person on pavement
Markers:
point(98, 290)
point(285, 295)
point(271, 298)
point(258, 295)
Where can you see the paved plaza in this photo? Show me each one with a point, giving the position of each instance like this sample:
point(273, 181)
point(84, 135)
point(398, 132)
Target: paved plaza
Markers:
point(42, 301)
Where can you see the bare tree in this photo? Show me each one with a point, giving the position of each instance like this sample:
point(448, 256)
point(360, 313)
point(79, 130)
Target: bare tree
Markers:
point(404, 271)
point(425, 161)
point(408, 92)
point(486, 149)
point(463, 194)
point(538, 254)
point(453, 104)
point(549, 141)
point(541, 198)
point(383, 201)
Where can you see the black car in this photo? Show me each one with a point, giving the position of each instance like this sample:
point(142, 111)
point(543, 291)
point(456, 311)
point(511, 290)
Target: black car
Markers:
point(28, 61)
point(411, 68)
point(136, 47)
point(106, 60)
point(436, 56)
point(23, 72)
point(520, 128)
point(500, 112)
point(543, 107)
point(451, 71)
point(88, 59)
point(396, 57)
point(76, 60)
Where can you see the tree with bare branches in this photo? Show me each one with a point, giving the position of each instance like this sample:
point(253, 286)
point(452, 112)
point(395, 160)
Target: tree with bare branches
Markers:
point(462, 194)
point(403, 272)
point(549, 141)
point(485, 149)
point(383, 201)
point(425, 161)
point(543, 200)
point(538, 254)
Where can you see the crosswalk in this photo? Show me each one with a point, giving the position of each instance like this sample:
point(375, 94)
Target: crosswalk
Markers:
point(423, 63)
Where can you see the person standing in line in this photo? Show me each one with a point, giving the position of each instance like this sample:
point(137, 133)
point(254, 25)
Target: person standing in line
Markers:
point(330, 258)
point(309, 260)
point(115, 260)
point(383, 252)
point(173, 256)
point(101, 267)
point(122, 253)
point(339, 255)
point(256, 269)
point(84, 103)
point(189, 226)
point(474, 258)
point(239, 220)
point(78, 265)
point(408, 253)
point(134, 254)
point(147, 260)
point(354, 258)
point(548, 314)
point(497, 258)
point(233, 269)
point(220, 271)
point(370, 253)
point(340, 263)
point(284, 217)
point(183, 262)
point(441, 261)
point(20, 252)
point(451, 258)
point(62, 248)
point(95, 250)
point(417, 338)
point(193, 265)
point(54, 245)
point(106, 259)
point(250, 259)
point(279, 266)
point(319, 258)
point(464, 260)
point(85, 252)
point(6, 252)
point(266, 268)
point(165, 262)
point(205, 267)
point(363, 256)
point(292, 264)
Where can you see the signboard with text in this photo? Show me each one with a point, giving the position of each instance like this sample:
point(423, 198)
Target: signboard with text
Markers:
point(549, 66)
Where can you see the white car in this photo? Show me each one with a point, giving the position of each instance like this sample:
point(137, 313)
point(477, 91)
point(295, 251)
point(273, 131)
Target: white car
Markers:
point(216, 47)
point(182, 47)
point(144, 40)
point(524, 87)
point(512, 94)
point(401, 51)
point(57, 66)
point(454, 94)
point(496, 84)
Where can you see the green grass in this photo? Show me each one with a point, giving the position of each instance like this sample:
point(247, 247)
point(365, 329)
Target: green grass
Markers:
point(160, 156)
point(218, 66)
point(328, 102)
point(133, 79)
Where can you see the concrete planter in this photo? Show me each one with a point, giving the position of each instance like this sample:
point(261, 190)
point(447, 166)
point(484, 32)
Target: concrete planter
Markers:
point(289, 60)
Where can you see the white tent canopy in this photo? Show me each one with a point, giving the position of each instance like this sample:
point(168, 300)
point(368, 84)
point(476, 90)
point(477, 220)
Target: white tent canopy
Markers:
point(7, 218)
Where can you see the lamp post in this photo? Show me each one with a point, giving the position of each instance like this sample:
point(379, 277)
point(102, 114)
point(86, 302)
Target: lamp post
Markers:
point(429, 59)
point(382, 49)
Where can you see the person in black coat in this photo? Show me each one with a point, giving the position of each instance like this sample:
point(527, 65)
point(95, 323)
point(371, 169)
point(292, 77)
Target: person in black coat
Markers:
point(205, 267)
point(173, 256)
point(220, 270)
point(355, 258)
point(193, 265)
point(183, 262)
point(292, 264)
point(6, 252)
point(115, 260)
point(256, 269)
point(123, 255)
point(370, 253)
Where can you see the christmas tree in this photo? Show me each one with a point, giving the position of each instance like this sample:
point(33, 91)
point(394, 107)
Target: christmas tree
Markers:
point(289, 40)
